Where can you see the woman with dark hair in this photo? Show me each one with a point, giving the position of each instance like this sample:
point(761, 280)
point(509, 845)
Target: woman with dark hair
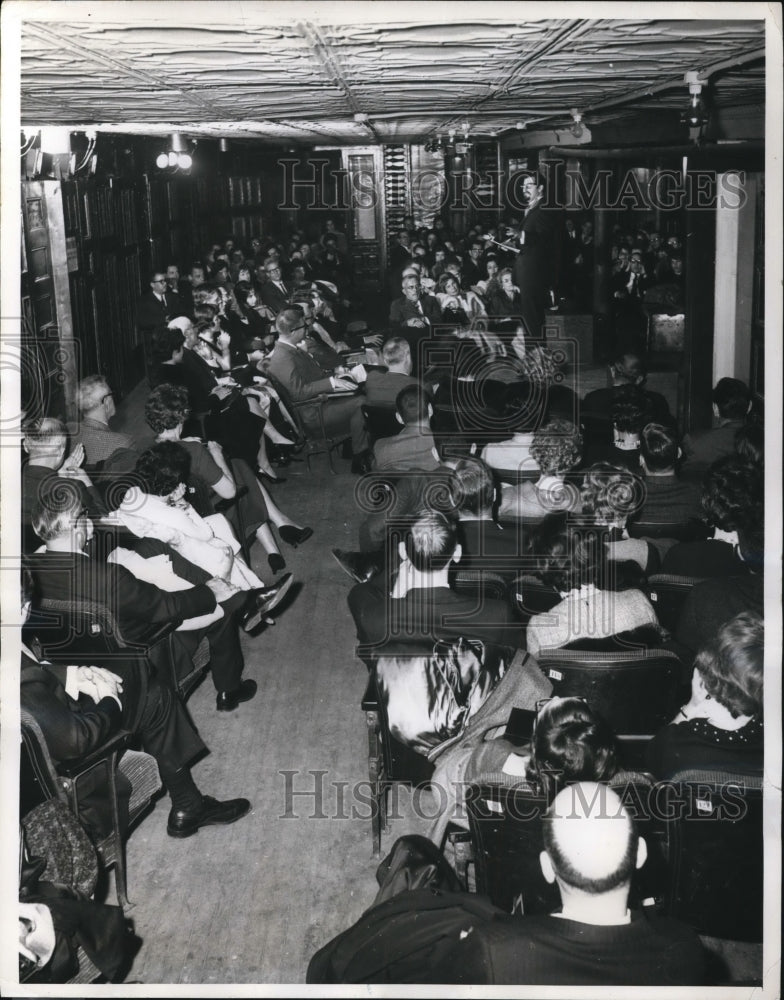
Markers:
point(720, 727)
point(251, 327)
point(556, 448)
point(505, 301)
point(573, 561)
point(167, 349)
point(166, 412)
point(158, 507)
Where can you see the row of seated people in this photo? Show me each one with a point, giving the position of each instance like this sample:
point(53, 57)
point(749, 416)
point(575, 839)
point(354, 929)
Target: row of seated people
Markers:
point(596, 929)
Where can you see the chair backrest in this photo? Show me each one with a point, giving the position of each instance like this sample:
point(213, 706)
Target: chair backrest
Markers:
point(504, 816)
point(666, 333)
point(668, 593)
point(718, 853)
point(381, 421)
point(532, 597)
point(401, 763)
point(492, 584)
point(635, 691)
point(71, 628)
point(690, 530)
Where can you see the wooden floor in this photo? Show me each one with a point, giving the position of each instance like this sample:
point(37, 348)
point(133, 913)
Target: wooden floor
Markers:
point(250, 903)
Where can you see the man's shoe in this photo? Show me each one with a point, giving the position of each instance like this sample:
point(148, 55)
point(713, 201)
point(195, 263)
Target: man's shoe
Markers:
point(227, 701)
point(264, 600)
point(186, 822)
point(363, 462)
point(360, 566)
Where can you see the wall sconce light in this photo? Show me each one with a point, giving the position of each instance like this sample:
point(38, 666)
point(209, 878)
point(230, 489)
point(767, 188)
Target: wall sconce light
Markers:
point(576, 128)
point(223, 145)
point(177, 157)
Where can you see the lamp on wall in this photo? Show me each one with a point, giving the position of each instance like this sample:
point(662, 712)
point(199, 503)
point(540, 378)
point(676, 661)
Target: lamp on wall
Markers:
point(177, 157)
point(696, 114)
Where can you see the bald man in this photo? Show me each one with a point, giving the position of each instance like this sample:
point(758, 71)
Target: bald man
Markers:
point(591, 851)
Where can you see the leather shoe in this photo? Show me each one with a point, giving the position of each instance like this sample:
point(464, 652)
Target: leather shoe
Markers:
point(363, 462)
point(276, 562)
point(360, 566)
point(294, 536)
point(186, 822)
point(264, 600)
point(227, 701)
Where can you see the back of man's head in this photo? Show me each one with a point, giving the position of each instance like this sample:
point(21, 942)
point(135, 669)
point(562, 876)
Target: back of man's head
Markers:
point(44, 435)
point(288, 320)
point(590, 839)
point(628, 369)
point(412, 403)
point(396, 353)
point(659, 447)
point(57, 507)
point(91, 392)
point(431, 542)
point(732, 398)
point(473, 487)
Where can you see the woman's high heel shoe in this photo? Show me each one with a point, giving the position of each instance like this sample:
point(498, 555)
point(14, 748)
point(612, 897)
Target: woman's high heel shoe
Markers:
point(263, 474)
point(276, 562)
point(294, 536)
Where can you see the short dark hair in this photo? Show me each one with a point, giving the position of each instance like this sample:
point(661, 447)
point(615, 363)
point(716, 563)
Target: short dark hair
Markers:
point(732, 493)
point(473, 486)
point(412, 404)
point(165, 342)
point(163, 467)
point(659, 447)
point(628, 409)
point(567, 557)
point(731, 665)
point(732, 398)
point(430, 541)
point(167, 406)
point(557, 447)
point(571, 743)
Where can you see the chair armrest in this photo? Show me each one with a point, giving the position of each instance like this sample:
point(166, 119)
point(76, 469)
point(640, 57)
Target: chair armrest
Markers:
point(74, 768)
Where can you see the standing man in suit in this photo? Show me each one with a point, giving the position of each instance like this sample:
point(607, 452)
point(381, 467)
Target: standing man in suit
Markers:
point(275, 293)
point(155, 308)
point(536, 265)
point(304, 379)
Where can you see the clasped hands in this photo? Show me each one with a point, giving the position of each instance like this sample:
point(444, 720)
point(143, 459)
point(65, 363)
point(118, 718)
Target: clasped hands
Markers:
point(95, 682)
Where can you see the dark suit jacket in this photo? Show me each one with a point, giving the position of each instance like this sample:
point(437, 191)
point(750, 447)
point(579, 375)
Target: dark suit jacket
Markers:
point(152, 314)
point(536, 266)
point(273, 297)
point(301, 376)
point(382, 387)
point(138, 607)
point(403, 309)
point(486, 545)
point(439, 613)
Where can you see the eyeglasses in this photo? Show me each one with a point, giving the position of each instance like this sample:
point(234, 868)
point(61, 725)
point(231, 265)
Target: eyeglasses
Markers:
point(158, 281)
point(272, 270)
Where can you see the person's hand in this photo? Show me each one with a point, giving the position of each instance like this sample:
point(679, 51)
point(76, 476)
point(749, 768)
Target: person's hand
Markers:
point(36, 933)
point(222, 590)
point(95, 682)
point(415, 321)
point(376, 340)
point(72, 466)
point(226, 380)
point(518, 344)
point(214, 447)
point(223, 340)
point(221, 391)
point(143, 527)
point(358, 373)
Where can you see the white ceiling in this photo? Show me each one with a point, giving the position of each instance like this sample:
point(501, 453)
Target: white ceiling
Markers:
point(368, 73)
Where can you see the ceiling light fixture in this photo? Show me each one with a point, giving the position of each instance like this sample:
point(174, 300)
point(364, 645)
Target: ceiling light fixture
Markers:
point(177, 157)
point(696, 115)
point(576, 128)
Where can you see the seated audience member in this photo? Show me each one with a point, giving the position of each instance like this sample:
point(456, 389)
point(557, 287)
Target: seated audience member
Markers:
point(504, 300)
point(62, 572)
point(484, 542)
point(750, 444)
point(556, 449)
point(611, 495)
point(720, 727)
point(159, 500)
point(80, 707)
point(275, 293)
point(668, 499)
point(251, 330)
point(713, 602)
point(382, 387)
point(318, 343)
point(524, 411)
point(46, 441)
point(157, 306)
point(731, 403)
point(421, 604)
point(570, 742)
point(412, 448)
point(591, 850)
point(732, 495)
point(96, 406)
point(304, 379)
point(167, 349)
point(573, 561)
point(627, 419)
point(458, 307)
point(414, 312)
point(626, 369)
point(166, 412)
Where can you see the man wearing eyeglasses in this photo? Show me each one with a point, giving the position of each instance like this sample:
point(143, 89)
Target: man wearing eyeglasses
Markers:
point(155, 308)
point(275, 293)
point(96, 405)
